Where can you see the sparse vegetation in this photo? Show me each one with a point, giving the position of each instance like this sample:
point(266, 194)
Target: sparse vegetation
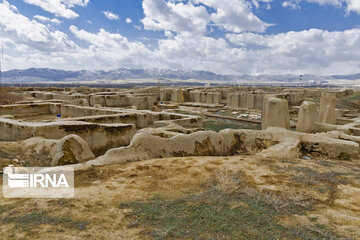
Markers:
point(228, 210)
point(4, 208)
point(310, 176)
point(67, 203)
point(7, 207)
point(349, 102)
point(31, 220)
point(36, 218)
point(218, 125)
point(183, 112)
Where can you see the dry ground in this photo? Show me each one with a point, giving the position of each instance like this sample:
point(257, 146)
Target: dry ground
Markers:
point(332, 188)
point(7, 97)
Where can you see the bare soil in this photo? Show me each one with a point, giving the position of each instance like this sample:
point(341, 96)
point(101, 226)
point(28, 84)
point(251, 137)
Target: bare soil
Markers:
point(332, 186)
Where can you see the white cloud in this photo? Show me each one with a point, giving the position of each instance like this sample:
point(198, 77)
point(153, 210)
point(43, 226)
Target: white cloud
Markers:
point(310, 51)
point(193, 17)
point(128, 20)
point(291, 4)
point(45, 19)
point(328, 2)
point(169, 34)
point(200, 53)
point(105, 40)
point(350, 5)
point(110, 50)
point(61, 8)
point(353, 5)
point(30, 43)
point(31, 33)
point(111, 16)
point(234, 15)
point(172, 16)
point(258, 3)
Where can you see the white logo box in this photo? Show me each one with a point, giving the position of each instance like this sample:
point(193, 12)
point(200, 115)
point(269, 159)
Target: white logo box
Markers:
point(36, 182)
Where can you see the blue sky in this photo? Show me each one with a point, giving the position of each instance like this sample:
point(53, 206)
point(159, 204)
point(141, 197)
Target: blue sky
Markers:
point(223, 36)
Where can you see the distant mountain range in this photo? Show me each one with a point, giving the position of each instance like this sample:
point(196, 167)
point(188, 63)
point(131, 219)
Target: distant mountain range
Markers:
point(53, 75)
point(45, 74)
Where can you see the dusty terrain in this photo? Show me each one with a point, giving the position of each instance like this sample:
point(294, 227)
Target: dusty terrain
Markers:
point(331, 187)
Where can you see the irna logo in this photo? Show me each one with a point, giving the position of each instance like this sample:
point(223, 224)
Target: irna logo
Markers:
point(37, 180)
point(22, 182)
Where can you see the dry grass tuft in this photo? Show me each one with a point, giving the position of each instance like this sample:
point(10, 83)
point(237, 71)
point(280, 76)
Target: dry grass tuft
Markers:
point(227, 182)
point(230, 183)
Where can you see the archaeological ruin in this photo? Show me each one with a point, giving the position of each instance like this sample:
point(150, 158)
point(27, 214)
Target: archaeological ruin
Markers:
point(239, 149)
point(88, 126)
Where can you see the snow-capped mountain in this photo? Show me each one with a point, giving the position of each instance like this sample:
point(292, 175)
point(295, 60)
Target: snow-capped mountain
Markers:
point(45, 74)
point(53, 75)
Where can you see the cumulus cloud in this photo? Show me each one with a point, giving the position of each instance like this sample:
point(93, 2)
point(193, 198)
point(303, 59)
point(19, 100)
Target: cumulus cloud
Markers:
point(193, 17)
point(61, 8)
point(128, 20)
point(31, 33)
point(310, 51)
point(234, 16)
point(171, 16)
point(353, 5)
point(110, 50)
point(31, 43)
point(201, 53)
point(111, 16)
point(106, 40)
